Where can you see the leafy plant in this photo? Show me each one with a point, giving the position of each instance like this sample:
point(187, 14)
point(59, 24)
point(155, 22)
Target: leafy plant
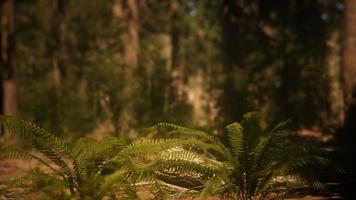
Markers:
point(89, 170)
point(190, 159)
point(251, 164)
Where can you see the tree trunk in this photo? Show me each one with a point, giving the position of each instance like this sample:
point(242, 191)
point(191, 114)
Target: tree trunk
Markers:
point(123, 114)
point(131, 51)
point(349, 54)
point(349, 67)
point(1, 73)
point(58, 29)
point(336, 116)
point(131, 38)
point(346, 135)
point(233, 101)
point(9, 95)
point(176, 91)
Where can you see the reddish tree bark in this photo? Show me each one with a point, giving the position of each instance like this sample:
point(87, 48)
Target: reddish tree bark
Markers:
point(9, 96)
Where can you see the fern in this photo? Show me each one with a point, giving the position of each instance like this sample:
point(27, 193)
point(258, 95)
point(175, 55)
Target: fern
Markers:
point(248, 164)
point(261, 158)
point(190, 159)
point(89, 170)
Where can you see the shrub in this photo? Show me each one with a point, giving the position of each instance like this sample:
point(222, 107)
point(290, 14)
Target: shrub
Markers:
point(191, 159)
point(89, 169)
point(251, 162)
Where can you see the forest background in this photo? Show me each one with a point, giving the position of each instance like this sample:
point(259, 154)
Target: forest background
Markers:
point(113, 67)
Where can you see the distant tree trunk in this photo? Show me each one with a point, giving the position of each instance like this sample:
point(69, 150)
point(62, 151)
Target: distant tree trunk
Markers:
point(346, 136)
point(233, 100)
point(131, 38)
point(336, 116)
point(349, 67)
point(349, 55)
point(9, 94)
point(58, 29)
point(131, 52)
point(1, 73)
point(175, 33)
point(56, 44)
point(123, 114)
point(176, 91)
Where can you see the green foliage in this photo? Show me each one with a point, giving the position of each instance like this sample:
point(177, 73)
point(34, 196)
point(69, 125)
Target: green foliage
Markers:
point(89, 169)
point(251, 163)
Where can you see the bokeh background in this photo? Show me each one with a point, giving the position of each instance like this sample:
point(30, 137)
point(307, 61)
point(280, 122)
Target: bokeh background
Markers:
point(113, 67)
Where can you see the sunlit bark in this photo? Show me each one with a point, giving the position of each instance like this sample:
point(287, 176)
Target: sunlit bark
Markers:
point(7, 56)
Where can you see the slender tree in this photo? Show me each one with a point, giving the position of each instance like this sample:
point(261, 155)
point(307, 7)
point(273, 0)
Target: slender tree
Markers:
point(1, 72)
point(233, 101)
point(177, 71)
point(349, 55)
point(9, 96)
point(58, 29)
point(122, 107)
point(348, 131)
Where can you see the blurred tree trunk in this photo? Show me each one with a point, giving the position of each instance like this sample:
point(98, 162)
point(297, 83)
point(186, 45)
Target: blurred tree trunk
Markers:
point(9, 95)
point(336, 116)
point(175, 33)
point(123, 114)
point(56, 44)
point(131, 38)
point(177, 72)
point(233, 101)
point(349, 68)
point(131, 51)
point(346, 137)
point(58, 29)
point(1, 72)
point(349, 55)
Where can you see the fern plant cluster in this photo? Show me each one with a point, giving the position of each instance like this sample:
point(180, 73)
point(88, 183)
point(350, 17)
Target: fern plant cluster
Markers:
point(188, 160)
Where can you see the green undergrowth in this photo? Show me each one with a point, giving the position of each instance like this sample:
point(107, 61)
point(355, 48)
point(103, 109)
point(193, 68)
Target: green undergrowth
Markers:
point(250, 165)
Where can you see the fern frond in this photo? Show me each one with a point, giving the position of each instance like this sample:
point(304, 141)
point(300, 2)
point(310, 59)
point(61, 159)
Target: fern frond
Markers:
point(196, 162)
point(281, 126)
point(15, 154)
point(251, 128)
point(31, 132)
point(158, 192)
point(203, 136)
point(36, 180)
point(213, 185)
point(236, 138)
point(170, 126)
point(109, 181)
point(81, 145)
point(268, 148)
point(90, 155)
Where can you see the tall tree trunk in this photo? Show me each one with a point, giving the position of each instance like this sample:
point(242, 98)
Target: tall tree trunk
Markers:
point(346, 136)
point(1, 73)
point(336, 116)
point(56, 43)
point(176, 90)
point(9, 105)
point(131, 52)
point(131, 38)
point(233, 100)
point(123, 114)
point(349, 67)
point(58, 29)
point(349, 54)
